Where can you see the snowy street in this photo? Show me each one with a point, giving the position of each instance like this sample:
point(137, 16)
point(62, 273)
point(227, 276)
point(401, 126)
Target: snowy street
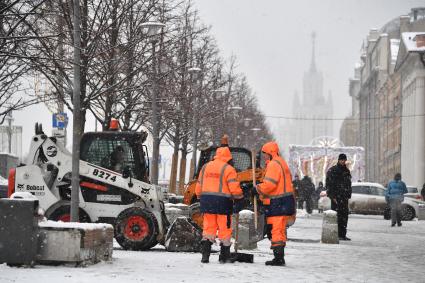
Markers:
point(377, 253)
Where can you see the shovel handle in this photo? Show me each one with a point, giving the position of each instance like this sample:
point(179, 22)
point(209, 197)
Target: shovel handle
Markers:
point(236, 232)
point(254, 185)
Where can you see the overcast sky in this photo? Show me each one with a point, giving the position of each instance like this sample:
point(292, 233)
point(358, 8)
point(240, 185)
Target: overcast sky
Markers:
point(272, 41)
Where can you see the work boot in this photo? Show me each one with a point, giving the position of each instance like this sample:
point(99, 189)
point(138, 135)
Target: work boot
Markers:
point(345, 238)
point(206, 251)
point(279, 253)
point(224, 256)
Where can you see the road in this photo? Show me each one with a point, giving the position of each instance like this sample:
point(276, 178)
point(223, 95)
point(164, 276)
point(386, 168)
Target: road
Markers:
point(377, 253)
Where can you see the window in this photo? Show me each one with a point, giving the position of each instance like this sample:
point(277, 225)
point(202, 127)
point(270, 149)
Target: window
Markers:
point(364, 190)
point(377, 191)
point(412, 190)
point(241, 159)
point(111, 154)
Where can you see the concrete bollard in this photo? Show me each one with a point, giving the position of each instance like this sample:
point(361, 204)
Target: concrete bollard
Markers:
point(330, 227)
point(247, 234)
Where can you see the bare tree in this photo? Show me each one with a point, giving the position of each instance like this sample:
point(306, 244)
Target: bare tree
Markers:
point(14, 94)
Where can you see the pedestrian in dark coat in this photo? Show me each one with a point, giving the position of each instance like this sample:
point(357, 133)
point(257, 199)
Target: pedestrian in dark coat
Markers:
point(394, 195)
point(307, 193)
point(423, 192)
point(296, 184)
point(338, 189)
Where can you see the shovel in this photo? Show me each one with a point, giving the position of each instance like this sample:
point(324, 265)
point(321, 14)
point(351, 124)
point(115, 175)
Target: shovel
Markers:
point(241, 257)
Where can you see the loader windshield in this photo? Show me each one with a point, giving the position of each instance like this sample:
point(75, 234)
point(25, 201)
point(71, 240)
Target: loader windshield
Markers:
point(114, 152)
point(241, 158)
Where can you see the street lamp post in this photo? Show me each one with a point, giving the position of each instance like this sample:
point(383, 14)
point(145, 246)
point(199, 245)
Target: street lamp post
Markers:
point(236, 110)
point(255, 131)
point(195, 71)
point(219, 95)
point(153, 30)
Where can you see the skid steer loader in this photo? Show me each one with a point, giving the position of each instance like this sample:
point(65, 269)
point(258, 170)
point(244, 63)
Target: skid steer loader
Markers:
point(114, 184)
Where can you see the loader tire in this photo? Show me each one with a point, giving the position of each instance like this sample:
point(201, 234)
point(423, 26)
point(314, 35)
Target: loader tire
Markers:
point(136, 229)
point(63, 213)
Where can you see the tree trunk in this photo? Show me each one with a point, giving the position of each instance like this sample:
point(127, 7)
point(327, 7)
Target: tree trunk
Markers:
point(182, 177)
point(174, 162)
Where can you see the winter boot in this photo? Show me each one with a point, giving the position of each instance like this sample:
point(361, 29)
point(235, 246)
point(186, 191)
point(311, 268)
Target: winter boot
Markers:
point(224, 256)
point(278, 260)
point(206, 251)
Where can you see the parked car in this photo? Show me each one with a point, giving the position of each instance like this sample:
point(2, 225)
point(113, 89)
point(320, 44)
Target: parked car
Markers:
point(369, 198)
point(3, 187)
point(413, 193)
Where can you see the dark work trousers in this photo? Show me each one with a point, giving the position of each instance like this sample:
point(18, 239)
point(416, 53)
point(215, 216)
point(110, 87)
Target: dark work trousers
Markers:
point(341, 208)
point(308, 202)
point(395, 205)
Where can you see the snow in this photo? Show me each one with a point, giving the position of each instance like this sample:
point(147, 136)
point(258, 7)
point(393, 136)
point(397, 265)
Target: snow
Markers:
point(74, 225)
point(377, 253)
point(3, 181)
point(246, 214)
point(330, 212)
point(23, 196)
point(409, 40)
point(176, 205)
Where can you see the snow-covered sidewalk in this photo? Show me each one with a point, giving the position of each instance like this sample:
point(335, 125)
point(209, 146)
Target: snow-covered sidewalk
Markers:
point(377, 253)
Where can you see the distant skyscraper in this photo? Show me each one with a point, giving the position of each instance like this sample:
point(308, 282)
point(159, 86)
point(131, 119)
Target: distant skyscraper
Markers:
point(312, 108)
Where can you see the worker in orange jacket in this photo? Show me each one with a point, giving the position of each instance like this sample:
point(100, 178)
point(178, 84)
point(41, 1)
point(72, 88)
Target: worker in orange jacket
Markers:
point(277, 195)
point(217, 187)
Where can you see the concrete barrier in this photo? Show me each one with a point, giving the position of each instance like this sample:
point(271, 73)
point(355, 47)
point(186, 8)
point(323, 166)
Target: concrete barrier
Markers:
point(18, 231)
point(248, 235)
point(330, 227)
point(79, 243)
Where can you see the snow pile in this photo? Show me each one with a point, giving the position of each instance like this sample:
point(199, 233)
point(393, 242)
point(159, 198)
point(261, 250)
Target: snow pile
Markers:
point(176, 205)
point(3, 181)
point(23, 196)
point(74, 225)
point(330, 212)
point(409, 40)
point(246, 214)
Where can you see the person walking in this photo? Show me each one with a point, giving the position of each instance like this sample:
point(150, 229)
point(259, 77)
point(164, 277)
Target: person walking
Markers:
point(296, 184)
point(277, 194)
point(316, 197)
point(217, 187)
point(338, 189)
point(423, 192)
point(308, 191)
point(395, 196)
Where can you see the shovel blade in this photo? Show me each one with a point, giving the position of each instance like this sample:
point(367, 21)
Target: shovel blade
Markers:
point(242, 257)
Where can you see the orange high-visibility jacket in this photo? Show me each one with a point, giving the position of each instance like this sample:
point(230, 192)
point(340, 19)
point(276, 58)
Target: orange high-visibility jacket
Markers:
point(217, 184)
point(276, 191)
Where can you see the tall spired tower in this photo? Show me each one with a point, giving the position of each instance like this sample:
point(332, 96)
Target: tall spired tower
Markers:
point(313, 108)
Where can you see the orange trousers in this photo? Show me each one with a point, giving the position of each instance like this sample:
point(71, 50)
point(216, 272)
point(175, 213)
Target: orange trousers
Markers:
point(217, 222)
point(278, 230)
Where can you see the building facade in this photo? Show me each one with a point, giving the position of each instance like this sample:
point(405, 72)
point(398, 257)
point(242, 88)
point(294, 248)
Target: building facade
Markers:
point(411, 66)
point(387, 90)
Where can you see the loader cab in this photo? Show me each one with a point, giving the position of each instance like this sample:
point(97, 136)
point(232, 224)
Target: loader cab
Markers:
point(121, 152)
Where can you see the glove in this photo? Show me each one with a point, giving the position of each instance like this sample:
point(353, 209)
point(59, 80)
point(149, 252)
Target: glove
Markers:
point(238, 205)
